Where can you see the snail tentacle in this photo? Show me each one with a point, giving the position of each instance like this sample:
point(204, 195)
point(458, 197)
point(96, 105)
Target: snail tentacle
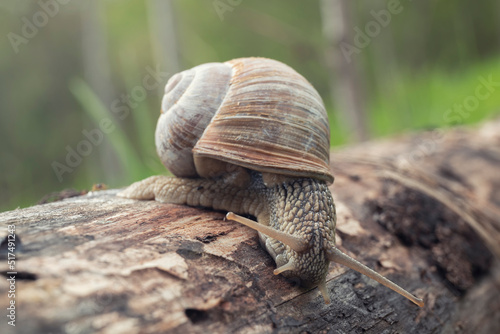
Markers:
point(335, 255)
point(294, 243)
point(286, 267)
point(324, 291)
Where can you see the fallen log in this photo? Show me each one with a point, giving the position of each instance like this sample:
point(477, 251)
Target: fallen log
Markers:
point(422, 209)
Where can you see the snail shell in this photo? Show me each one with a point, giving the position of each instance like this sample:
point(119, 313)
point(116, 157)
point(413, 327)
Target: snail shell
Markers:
point(252, 112)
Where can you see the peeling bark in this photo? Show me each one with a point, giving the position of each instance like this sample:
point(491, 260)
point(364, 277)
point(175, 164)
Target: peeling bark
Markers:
point(424, 210)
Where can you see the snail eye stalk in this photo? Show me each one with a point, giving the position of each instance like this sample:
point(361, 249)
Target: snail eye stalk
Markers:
point(335, 255)
point(294, 243)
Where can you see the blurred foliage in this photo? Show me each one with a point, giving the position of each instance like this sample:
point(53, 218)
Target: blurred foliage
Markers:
point(429, 58)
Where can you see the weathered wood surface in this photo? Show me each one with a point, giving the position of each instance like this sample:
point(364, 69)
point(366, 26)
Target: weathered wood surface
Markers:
point(423, 210)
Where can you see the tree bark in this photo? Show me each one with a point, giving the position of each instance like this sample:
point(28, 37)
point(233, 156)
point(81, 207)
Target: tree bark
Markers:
point(421, 209)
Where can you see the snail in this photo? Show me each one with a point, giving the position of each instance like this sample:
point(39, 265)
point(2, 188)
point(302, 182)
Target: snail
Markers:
point(252, 136)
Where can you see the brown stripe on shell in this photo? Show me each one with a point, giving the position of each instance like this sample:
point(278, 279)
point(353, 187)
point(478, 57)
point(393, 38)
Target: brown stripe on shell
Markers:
point(272, 120)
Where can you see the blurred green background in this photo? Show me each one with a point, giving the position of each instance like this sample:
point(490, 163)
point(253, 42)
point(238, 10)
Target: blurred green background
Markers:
point(79, 72)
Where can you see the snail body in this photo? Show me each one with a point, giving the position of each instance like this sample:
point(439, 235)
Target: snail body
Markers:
point(251, 136)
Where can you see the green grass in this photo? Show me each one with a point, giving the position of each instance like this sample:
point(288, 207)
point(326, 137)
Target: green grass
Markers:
point(427, 100)
point(95, 110)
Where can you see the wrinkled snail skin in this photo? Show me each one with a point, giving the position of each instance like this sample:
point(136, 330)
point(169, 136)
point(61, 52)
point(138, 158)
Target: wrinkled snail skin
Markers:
point(218, 194)
point(251, 136)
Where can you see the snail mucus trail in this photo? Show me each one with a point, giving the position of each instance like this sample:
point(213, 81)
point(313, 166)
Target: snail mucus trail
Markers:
point(251, 136)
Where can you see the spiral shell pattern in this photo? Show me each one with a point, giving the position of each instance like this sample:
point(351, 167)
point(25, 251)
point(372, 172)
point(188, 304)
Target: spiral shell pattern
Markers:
point(256, 113)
